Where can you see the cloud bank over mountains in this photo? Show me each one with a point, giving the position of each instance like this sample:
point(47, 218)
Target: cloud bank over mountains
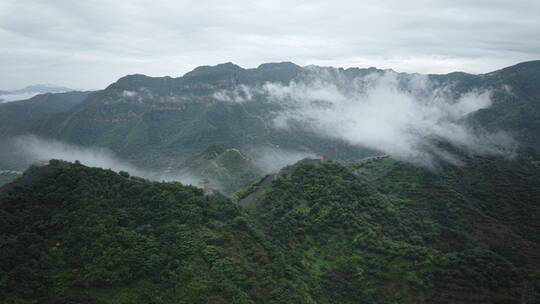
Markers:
point(403, 116)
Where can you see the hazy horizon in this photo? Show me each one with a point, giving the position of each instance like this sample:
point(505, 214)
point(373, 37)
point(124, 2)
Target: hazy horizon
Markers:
point(252, 67)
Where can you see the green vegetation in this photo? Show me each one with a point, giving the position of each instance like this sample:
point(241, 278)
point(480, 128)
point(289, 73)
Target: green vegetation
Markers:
point(376, 231)
point(227, 169)
point(21, 117)
point(83, 235)
point(409, 235)
point(517, 113)
point(160, 122)
point(322, 233)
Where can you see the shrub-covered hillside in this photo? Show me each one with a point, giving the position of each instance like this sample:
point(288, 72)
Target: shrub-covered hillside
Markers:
point(84, 235)
point(388, 232)
point(379, 231)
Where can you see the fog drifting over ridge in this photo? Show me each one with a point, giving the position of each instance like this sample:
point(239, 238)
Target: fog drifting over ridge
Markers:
point(272, 159)
point(35, 149)
point(399, 115)
point(403, 115)
point(32, 149)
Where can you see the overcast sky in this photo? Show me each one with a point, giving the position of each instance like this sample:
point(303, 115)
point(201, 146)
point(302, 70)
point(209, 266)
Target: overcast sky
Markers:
point(88, 44)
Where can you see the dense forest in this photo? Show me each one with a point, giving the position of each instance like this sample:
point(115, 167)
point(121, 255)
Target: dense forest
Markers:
point(378, 231)
point(357, 227)
point(269, 152)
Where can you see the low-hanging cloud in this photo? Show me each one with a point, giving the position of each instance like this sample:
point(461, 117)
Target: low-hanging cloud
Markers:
point(399, 115)
point(272, 159)
point(241, 93)
point(16, 97)
point(32, 149)
point(35, 149)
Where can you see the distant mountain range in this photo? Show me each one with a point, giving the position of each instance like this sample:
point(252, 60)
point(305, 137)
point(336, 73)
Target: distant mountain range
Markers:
point(160, 123)
point(30, 91)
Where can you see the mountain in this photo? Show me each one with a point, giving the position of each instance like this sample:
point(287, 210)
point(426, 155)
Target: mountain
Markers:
point(158, 123)
point(30, 91)
point(43, 88)
point(84, 235)
point(225, 169)
point(456, 224)
point(383, 231)
point(175, 118)
point(519, 111)
point(377, 231)
point(27, 116)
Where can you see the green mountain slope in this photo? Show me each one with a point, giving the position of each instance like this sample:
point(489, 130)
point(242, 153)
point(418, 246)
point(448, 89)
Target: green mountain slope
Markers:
point(72, 234)
point(227, 169)
point(163, 121)
point(379, 231)
point(519, 111)
point(159, 122)
point(33, 116)
point(390, 232)
point(30, 115)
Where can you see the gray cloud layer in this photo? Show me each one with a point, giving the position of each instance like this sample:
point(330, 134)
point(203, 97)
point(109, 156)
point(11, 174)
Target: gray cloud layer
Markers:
point(88, 44)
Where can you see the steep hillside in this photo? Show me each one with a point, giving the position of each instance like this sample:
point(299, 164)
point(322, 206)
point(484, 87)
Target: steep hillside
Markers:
point(72, 234)
point(519, 111)
point(379, 231)
point(390, 232)
point(29, 116)
point(227, 170)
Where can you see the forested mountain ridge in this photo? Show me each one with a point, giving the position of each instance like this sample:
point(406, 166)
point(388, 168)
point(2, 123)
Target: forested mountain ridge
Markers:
point(29, 116)
point(459, 235)
point(158, 121)
point(378, 231)
point(519, 111)
point(162, 121)
point(83, 235)
point(225, 169)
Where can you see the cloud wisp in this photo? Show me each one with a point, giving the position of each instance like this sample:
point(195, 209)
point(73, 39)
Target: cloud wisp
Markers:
point(403, 116)
point(272, 159)
point(34, 149)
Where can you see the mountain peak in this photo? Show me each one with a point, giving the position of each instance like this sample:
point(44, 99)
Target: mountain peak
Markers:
point(278, 65)
point(45, 88)
point(205, 70)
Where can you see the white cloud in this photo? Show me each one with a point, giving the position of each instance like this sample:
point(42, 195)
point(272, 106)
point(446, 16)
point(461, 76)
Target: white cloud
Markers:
point(399, 115)
point(128, 94)
point(17, 96)
point(272, 159)
point(33, 149)
point(239, 94)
